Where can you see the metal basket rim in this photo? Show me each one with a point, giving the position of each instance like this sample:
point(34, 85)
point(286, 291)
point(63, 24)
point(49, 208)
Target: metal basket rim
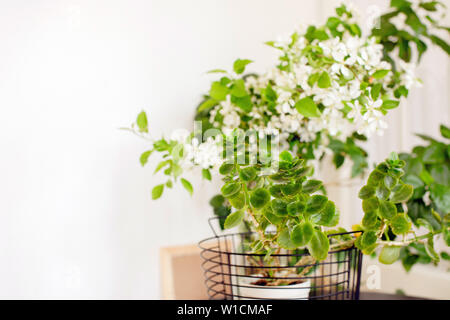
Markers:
point(217, 250)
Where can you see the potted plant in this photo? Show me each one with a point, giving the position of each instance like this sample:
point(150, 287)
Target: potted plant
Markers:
point(266, 134)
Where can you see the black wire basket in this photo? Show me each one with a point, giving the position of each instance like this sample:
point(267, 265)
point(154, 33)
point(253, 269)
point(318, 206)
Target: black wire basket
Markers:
point(231, 273)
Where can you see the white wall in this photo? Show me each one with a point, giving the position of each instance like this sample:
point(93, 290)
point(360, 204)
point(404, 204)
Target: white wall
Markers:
point(76, 218)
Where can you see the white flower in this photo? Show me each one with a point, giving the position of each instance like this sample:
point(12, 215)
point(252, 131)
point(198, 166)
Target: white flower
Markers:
point(408, 76)
point(355, 113)
point(231, 118)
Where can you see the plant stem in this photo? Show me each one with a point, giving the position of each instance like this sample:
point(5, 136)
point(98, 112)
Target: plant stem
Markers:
point(409, 241)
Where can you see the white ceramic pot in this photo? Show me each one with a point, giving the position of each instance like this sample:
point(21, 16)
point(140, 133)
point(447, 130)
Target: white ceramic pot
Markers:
point(299, 291)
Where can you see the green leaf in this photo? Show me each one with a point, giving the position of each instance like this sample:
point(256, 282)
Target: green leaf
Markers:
point(302, 234)
point(275, 191)
point(218, 91)
point(161, 165)
point(217, 71)
point(366, 192)
point(400, 225)
point(370, 204)
point(370, 221)
point(389, 254)
point(259, 198)
point(187, 185)
point(269, 94)
point(426, 177)
point(434, 154)
point(389, 182)
point(375, 92)
point(144, 157)
point(390, 104)
point(440, 174)
point(388, 210)
point(447, 237)
point(368, 238)
point(311, 186)
point(175, 169)
point(375, 178)
point(379, 74)
point(393, 156)
point(284, 240)
point(273, 219)
point(333, 22)
point(234, 219)
point(238, 201)
point(429, 247)
point(226, 168)
point(440, 195)
point(414, 22)
point(307, 108)
point(295, 208)
point(319, 245)
point(312, 79)
point(382, 192)
point(325, 217)
point(238, 89)
point(217, 201)
point(245, 103)
point(161, 145)
point(316, 203)
point(231, 189)
point(240, 64)
point(279, 207)
point(142, 122)
point(402, 194)
point(206, 174)
point(286, 156)
point(441, 43)
point(401, 91)
point(429, 6)
point(324, 80)
point(290, 189)
point(365, 247)
point(206, 105)
point(445, 131)
point(157, 191)
point(248, 174)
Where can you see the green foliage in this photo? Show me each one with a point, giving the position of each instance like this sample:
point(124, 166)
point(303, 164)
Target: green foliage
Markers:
point(259, 198)
point(318, 245)
point(350, 149)
point(379, 197)
point(206, 174)
point(221, 208)
point(240, 64)
point(324, 80)
point(284, 199)
point(428, 170)
point(157, 191)
point(404, 40)
point(389, 254)
point(187, 185)
point(307, 108)
point(234, 219)
point(302, 233)
point(141, 122)
point(144, 157)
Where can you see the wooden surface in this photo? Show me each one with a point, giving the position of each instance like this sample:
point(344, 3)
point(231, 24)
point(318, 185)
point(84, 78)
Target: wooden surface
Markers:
point(385, 296)
point(181, 273)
